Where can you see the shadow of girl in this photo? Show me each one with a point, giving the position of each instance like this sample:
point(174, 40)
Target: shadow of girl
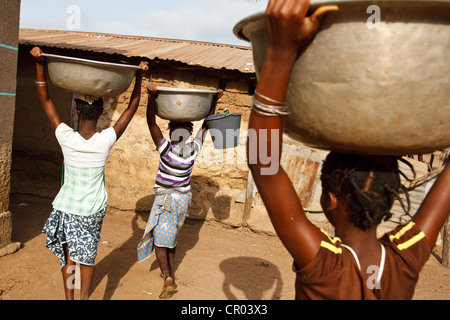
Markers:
point(253, 276)
point(118, 262)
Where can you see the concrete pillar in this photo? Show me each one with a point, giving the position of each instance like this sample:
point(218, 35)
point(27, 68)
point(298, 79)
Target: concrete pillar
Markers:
point(9, 39)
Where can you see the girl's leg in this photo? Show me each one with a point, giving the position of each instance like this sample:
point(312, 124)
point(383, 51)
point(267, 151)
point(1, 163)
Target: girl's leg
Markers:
point(163, 260)
point(68, 274)
point(172, 261)
point(87, 274)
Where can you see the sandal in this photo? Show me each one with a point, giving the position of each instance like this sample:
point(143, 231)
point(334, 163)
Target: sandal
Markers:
point(169, 287)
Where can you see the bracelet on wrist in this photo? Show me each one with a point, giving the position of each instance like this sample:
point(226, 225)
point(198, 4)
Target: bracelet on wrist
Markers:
point(40, 83)
point(269, 110)
point(268, 99)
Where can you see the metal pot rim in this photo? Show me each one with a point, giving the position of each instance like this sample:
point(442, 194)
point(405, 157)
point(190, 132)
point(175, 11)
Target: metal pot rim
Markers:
point(218, 116)
point(239, 27)
point(180, 90)
point(90, 62)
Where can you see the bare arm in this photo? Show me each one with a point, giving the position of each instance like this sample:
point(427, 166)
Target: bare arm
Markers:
point(42, 90)
point(435, 208)
point(288, 31)
point(122, 123)
point(155, 131)
point(201, 132)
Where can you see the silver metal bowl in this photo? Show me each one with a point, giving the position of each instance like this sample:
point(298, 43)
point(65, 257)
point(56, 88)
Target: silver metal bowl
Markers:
point(183, 104)
point(90, 77)
point(369, 88)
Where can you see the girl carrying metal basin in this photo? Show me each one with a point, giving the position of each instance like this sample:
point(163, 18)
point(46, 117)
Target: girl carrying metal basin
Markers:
point(172, 188)
point(358, 191)
point(74, 226)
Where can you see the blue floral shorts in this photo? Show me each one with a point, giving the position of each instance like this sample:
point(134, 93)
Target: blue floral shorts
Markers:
point(80, 233)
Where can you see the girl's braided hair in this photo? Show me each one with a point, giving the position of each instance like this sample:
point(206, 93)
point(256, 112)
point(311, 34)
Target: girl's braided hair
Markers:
point(368, 185)
point(87, 111)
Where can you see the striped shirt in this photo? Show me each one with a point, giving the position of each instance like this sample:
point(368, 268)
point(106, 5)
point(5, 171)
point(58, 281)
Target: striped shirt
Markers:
point(175, 165)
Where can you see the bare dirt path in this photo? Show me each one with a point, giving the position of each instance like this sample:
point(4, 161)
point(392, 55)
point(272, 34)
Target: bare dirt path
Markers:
point(214, 262)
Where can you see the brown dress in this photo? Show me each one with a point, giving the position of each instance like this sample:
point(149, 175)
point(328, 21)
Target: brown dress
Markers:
point(334, 273)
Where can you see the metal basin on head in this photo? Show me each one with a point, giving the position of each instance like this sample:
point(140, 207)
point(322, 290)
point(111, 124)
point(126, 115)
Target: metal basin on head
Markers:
point(89, 77)
point(183, 104)
point(374, 80)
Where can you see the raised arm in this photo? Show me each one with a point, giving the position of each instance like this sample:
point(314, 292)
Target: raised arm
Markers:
point(42, 90)
point(202, 131)
point(435, 208)
point(288, 31)
point(155, 131)
point(122, 123)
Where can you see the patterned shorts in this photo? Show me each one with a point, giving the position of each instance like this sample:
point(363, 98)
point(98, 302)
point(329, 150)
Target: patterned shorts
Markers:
point(80, 233)
point(166, 218)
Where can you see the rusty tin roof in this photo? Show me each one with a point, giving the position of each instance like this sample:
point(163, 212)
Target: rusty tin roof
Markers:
point(192, 53)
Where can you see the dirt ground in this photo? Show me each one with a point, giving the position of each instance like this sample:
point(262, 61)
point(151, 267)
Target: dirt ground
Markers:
point(214, 262)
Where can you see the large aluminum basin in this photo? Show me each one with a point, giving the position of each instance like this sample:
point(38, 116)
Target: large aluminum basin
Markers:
point(90, 77)
point(369, 88)
point(183, 104)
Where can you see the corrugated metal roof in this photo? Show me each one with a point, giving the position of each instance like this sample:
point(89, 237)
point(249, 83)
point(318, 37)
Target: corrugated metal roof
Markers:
point(194, 53)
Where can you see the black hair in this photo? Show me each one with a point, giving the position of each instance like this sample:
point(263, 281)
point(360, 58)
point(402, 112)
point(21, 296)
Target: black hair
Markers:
point(368, 185)
point(189, 126)
point(88, 111)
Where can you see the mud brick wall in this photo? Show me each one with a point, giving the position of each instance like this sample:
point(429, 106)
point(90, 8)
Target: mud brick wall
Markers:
point(9, 36)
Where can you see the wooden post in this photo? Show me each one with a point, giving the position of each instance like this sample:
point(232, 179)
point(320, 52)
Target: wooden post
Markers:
point(248, 198)
point(446, 244)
